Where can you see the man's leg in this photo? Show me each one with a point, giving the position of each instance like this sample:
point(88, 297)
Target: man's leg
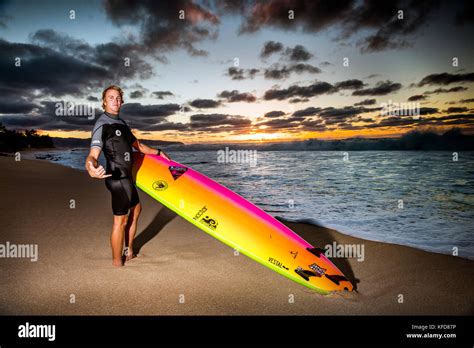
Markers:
point(131, 229)
point(116, 239)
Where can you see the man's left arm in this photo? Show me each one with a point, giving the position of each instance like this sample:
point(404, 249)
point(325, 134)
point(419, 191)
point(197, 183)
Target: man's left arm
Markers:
point(148, 150)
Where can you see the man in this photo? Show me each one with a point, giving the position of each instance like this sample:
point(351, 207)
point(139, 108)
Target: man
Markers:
point(112, 135)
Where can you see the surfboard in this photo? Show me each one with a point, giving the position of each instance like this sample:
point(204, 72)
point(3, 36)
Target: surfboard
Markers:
point(236, 222)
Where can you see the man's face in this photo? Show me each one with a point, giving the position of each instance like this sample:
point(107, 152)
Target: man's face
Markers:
point(113, 101)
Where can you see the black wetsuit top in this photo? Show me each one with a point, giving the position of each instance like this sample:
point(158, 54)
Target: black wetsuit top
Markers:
point(114, 137)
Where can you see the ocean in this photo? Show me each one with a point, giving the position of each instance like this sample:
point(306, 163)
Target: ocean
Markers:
point(423, 199)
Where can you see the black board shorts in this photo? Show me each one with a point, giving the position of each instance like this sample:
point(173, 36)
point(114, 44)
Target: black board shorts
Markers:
point(124, 194)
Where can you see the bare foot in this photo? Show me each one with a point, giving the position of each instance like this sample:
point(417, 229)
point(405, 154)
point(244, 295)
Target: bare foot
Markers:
point(117, 263)
point(128, 253)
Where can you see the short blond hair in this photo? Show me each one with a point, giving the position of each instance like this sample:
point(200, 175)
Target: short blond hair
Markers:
point(114, 87)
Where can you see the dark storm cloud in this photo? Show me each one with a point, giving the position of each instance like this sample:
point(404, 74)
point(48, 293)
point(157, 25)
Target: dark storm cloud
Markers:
point(277, 73)
point(274, 114)
point(376, 19)
point(162, 94)
point(122, 60)
point(366, 102)
point(381, 88)
point(271, 47)
point(446, 79)
point(417, 97)
point(382, 17)
point(25, 122)
point(235, 96)
point(161, 28)
point(312, 16)
point(16, 106)
point(447, 90)
point(317, 88)
point(54, 115)
point(465, 16)
point(205, 103)
point(298, 53)
point(47, 71)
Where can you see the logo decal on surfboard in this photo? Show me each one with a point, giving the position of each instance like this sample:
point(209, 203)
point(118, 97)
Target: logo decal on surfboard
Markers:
point(160, 185)
point(177, 171)
point(318, 269)
point(277, 263)
point(212, 223)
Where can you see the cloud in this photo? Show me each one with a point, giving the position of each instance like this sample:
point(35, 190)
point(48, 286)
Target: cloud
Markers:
point(274, 114)
point(446, 79)
point(153, 110)
point(236, 73)
point(311, 16)
point(298, 100)
point(235, 96)
point(277, 73)
point(366, 102)
point(136, 94)
point(47, 71)
point(428, 111)
point(160, 25)
point(456, 109)
point(16, 106)
point(377, 20)
point(205, 103)
point(209, 121)
point(280, 123)
point(315, 89)
point(162, 94)
point(449, 90)
point(466, 15)
point(270, 47)
point(311, 111)
point(297, 54)
point(111, 56)
point(417, 97)
point(381, 88)
point(390, 32)
point(349, 84)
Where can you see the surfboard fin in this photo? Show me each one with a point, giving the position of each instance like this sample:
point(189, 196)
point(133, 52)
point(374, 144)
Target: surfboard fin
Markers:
point(316, 251)
point(336, 278)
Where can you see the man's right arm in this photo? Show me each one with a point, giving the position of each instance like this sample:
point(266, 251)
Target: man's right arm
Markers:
point(93, 168)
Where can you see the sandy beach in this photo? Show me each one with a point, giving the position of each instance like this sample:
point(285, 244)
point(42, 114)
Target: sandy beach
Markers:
point(181, 270)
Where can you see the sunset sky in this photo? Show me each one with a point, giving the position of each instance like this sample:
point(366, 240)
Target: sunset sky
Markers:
point(239, 70)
